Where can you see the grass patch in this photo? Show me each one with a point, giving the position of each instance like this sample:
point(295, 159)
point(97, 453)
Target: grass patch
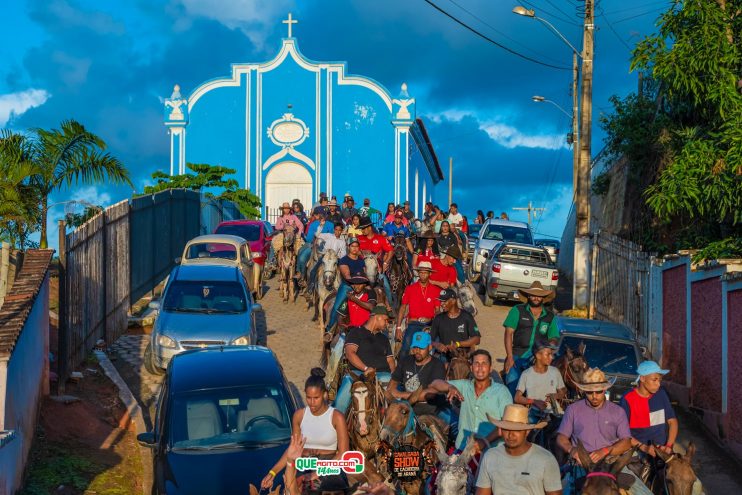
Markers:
point(57, 467)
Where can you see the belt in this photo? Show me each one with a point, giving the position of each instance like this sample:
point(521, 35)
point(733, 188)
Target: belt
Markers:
point(421, 320)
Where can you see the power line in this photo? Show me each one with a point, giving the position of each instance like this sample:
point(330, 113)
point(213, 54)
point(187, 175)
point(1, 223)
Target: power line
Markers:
point(551, 14)
point(557, 7)
point(504, 35)
point(663, 3)
point(610, 26)
point(487, 38)
point(655, 11)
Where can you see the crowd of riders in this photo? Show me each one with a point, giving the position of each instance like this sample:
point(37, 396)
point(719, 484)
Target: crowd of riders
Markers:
point(410, 346)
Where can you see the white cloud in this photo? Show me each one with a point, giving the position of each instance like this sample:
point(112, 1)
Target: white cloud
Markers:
point(92, 195)
point(15, 104)
point(256, 18)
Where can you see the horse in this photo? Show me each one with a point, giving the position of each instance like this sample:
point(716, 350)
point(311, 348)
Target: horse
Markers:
point(459, 367)
point(286, 257)
point(603, 478)
point(328, 281)
point(401, 428)
point(454, 474)
point(364, 420)
point(677, 477)
point(371, 268)
point(466, 295)
point(572, 366)
point(399, 272)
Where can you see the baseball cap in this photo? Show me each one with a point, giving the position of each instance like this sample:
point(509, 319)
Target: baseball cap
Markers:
point(446, 294)
point(353, 240)
point(421, 340)
point(543, 344)
point(649, 367)
point(380, 309)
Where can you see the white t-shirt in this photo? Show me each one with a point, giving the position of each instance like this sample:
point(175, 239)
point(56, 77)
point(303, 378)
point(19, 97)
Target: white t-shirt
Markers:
point(536, 385)
point(532, 473)
point(455, 219)
point(332, 242)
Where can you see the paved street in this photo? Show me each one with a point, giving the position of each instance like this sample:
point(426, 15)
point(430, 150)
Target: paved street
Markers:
point(296, 341)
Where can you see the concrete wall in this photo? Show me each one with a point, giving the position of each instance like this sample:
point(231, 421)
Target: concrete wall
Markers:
point(674, 322)
point(25, 382)
point(706, 341)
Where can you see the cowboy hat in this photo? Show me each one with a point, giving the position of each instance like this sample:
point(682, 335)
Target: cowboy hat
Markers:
point(454, 252)
point(285, 205)
point(358, 279)
point(332, 202)
point(425, 266)
point(515, 418)
point(427, 234)
point(595, 380)
point(365, 222)
point(536, 289)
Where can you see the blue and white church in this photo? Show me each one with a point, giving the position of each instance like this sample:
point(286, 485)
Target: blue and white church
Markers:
point(293, 128)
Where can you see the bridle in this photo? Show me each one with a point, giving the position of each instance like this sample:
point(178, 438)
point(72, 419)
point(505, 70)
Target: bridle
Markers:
point(409, 428)
point(602, 474)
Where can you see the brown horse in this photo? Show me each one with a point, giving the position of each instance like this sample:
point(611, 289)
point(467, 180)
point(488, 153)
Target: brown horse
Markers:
point(399, 273)
point(572, 365)
point(402, 428)
point(604, 477)
point(459, 367)
point(679, 475)
point(364, 420)
point(286, 259)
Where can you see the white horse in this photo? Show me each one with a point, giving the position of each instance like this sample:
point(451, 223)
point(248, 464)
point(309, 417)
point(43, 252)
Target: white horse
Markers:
point(328, 281)
point(454, 476)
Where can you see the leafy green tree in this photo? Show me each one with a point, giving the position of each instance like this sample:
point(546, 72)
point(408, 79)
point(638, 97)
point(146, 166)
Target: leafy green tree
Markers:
point(71, 155)
point(205, 179)
point(76, 220)
point(19, 199)
point(683, 134)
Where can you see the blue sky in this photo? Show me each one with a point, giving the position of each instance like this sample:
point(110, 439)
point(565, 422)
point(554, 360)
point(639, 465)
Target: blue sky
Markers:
point(107, 64)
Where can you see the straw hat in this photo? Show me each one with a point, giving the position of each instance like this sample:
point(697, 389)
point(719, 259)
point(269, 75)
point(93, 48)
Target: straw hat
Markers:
point(425, 266)
point(595, 380)
point(285, 205)
point(536, 289)
point(515, 418)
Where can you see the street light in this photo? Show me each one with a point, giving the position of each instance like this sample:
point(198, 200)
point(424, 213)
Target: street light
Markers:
point(532, 14)
point(541, 99)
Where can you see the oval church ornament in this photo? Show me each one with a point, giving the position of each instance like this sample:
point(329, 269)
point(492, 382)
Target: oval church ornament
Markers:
point(288, 131)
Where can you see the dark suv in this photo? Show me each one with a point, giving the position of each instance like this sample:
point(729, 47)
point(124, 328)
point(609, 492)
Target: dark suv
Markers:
point(223, 420)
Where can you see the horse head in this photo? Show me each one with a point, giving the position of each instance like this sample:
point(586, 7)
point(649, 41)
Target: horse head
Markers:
point(362, 405)
point(371, 264)
point(679, 473)
point(329, 269)
point(399, 419)
point(454, 475)
point(573, 365)
point(416, 225)
point(400, 249)
point(459, 366)
point(289, 235)
point(603, 477)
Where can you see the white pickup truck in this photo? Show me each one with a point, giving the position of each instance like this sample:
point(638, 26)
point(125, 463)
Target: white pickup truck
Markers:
point(510, 266)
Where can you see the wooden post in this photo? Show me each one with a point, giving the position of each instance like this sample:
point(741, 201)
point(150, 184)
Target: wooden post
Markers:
point(63, 334)
point(450, 180)
point(4, 269)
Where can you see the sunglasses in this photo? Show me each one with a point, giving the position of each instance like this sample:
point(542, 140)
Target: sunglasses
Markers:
point(601, 392)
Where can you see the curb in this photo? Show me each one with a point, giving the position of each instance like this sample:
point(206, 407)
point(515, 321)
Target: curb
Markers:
point(133, 413)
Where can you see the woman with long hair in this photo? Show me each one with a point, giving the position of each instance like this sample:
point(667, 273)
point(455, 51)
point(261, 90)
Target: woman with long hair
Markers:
point(447, 237)
point(322, 427)
point(480, 217)
point(299, 212)
point(427, 248)
point(353, 229)
point(389, 215)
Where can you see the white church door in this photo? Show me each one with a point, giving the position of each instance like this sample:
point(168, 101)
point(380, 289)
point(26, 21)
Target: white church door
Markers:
point(286, 181)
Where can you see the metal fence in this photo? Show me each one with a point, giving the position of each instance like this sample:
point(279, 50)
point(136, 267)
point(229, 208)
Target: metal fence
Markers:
point(620, 283)
point(120, 255)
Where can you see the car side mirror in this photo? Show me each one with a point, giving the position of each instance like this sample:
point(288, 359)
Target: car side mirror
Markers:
point(644, 351)
point(154, 305)
point(147, 439)
point(178, 260)
point(257, 307)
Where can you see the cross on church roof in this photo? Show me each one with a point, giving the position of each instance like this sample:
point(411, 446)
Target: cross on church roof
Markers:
point(290, 21)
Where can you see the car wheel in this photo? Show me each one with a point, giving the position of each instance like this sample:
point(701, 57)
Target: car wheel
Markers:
point(149, 362)
point(471, 274)
point(487, 299)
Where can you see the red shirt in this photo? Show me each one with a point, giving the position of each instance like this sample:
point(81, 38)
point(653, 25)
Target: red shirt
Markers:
point(427, 255)
point(422, 300)
point(357, 316)
point(442, 273)
point(376, 244)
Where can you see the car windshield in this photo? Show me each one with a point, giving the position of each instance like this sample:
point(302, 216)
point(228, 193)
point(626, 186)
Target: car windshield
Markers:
point(205, 297)
point(235, 417)
point(553, 244)
point(610, 357)
point(474, 229)
point(250, 232)
point(495, 232)
point(209, 250)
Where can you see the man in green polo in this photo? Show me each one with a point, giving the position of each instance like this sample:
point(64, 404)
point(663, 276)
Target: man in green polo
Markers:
point(525, 324)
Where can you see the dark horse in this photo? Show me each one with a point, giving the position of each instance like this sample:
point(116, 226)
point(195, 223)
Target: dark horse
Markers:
point(572, 365)
point(399, 272)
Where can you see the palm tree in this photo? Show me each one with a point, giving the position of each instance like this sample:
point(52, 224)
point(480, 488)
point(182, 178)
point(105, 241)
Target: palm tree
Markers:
point(19, 199)
point(70, 155)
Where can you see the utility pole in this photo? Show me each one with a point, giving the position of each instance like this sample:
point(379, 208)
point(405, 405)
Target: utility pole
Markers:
point(450, 180)
point(575, 116)
point(529, 209)
point(580, 289)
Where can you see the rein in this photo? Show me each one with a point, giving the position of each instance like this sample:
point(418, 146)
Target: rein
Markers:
point(409, 428)
point(602, 474)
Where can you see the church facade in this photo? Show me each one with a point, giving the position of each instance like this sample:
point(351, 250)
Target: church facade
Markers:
point(293, 128)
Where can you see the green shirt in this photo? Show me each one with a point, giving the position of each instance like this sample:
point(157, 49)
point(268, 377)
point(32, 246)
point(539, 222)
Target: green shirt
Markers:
point(513, 320)
point(473, 417)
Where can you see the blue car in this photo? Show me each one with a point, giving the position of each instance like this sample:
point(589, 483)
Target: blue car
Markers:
point(223, 420)
point(201, 306)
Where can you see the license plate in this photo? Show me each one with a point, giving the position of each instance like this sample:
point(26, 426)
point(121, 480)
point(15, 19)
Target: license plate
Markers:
point(540, 273)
